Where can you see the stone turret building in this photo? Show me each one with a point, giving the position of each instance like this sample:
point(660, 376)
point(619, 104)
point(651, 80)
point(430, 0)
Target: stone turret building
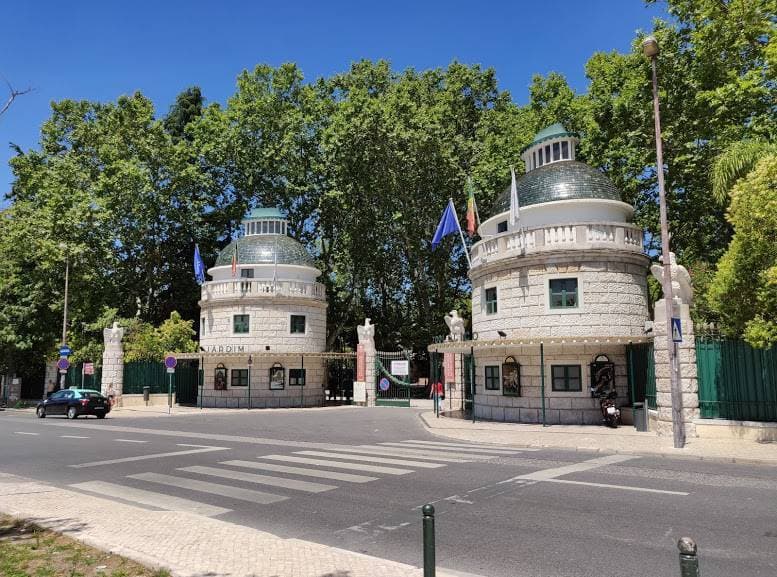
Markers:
point(558, 294)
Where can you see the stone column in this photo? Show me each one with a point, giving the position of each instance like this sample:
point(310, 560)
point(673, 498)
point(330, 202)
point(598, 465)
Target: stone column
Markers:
point(113, 363)
point(364, 385)
point(686, 357)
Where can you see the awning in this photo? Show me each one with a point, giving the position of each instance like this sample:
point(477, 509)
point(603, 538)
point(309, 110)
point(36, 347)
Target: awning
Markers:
point(262, 355)
point(467, 346)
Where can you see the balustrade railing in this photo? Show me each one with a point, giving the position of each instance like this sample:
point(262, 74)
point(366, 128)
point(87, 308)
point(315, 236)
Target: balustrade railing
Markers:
point(238, 288)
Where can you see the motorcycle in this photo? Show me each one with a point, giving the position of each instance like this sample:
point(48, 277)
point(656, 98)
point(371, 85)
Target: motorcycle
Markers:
point(610, 413)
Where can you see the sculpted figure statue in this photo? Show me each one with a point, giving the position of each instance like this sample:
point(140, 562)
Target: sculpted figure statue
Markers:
point(366, 334)
point(113, 335)
point(455, 326)
point(681, 280)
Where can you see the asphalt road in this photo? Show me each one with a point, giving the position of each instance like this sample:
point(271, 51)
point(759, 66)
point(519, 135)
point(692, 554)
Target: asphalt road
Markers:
point(330, 477)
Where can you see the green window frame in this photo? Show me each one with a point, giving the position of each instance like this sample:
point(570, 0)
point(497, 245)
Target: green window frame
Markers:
point(492, 378)
point(297, 324)
point(491, 296)
point(239, 378)
point(566, 378)
point(241, 324)
point(296, 377)
point(563, 293)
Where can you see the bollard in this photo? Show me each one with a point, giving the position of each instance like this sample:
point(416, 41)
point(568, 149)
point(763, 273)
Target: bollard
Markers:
point(429, 562)
point(689, 562)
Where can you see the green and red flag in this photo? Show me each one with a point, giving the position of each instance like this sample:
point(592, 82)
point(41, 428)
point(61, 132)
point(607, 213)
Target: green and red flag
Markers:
point(234, 261)
point(472, 209)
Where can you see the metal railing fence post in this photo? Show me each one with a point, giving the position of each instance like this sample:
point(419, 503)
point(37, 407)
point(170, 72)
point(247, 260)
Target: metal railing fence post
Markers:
point(689, 561)
point(428, 527)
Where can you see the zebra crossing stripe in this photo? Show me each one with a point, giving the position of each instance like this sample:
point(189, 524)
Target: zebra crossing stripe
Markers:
point(293, 484)
point(211, 488)
point(149, 498)
point(429, 452)
point(406, 453)
point(458, 449)
point(335, 475)
point(370, 459)
point(338, 465)
point(469, 445)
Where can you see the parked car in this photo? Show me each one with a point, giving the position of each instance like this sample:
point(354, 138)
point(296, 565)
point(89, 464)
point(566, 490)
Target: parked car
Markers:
point(74, 402)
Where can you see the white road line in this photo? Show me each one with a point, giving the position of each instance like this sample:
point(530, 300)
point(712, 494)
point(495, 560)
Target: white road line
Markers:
point(23, 433)
point(498, 452)
point(335, 475)
point(431, 452)
point(370, 459)
point(211, 488)
point(73, 437)
point(150, 498)
point(546, 474)
point(129, 441)
point(152, 456)
point(293, 484)
point(406, 453)
point(624, 487)
point(332, 464)
point(470, 446)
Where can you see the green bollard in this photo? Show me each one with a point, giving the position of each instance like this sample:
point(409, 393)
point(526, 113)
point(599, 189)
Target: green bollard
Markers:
point(689, 562)
point(429, 562)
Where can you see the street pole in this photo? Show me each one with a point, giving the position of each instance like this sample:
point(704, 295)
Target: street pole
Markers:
point(63, 376)
point(650, 49)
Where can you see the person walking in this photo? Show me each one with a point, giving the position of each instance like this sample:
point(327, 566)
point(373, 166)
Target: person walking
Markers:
point(437, 392)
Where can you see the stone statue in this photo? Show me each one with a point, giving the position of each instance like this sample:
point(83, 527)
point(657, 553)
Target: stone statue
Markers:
point(366, 334)
point(681, 280)
point(455, 326)
point(113, 335)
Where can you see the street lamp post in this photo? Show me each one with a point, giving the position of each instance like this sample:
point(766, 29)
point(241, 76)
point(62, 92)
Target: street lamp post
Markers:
point(64, 313)
point(651, 50)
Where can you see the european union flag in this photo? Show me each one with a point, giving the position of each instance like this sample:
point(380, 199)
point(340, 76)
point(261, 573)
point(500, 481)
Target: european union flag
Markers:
point(449, 224)
point(199, 266)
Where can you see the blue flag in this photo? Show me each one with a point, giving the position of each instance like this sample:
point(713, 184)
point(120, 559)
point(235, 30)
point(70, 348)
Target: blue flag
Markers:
point(449, 224)
point(199, 266)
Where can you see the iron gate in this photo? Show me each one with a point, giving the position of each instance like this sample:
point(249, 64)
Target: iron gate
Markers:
point(390, 390)
point(187, 376)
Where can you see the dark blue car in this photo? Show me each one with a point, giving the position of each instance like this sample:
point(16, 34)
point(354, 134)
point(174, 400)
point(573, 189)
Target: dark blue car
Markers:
point(74, 402)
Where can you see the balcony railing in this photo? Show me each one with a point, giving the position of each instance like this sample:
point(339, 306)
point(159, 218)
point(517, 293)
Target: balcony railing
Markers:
point(558, 237)
point(247, 288)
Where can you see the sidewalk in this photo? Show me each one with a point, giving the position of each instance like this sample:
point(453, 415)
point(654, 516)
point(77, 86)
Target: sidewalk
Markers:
point(186, 544)
point(624, 439)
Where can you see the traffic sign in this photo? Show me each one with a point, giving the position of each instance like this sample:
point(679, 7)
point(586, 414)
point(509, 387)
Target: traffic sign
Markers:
point(65, 351)
point(63, 364)
point(171, 369)
point(677, 330)
point(88, 368)
point(384, 384)
point(170, 362)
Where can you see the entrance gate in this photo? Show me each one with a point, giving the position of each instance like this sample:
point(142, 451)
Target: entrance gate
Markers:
point(187, 375)
point(390, 390)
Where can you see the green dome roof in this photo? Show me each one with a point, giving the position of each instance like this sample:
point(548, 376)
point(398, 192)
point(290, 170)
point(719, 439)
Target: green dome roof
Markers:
point(553, 131)
point(261, 249)
point(265, 213)
point(567, 180)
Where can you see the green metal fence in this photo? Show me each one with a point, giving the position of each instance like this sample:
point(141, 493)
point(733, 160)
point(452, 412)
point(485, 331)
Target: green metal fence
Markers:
point(641, 374)
point(76, 378)
point(153, 374)
point(736, 381)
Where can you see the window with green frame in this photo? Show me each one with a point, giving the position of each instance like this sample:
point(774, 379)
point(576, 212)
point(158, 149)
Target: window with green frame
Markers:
point(240, 324)
point(297, 325)
point(492, 378)
point(491, 301)
point(563, 293)
point(297, 377)
point(566, 378)
point(239, 378)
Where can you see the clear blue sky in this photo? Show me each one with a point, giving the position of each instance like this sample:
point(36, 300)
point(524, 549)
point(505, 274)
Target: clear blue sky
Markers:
point(98, 50)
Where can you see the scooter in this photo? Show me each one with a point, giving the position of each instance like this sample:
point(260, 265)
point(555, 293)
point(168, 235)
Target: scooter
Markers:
point(610, 413)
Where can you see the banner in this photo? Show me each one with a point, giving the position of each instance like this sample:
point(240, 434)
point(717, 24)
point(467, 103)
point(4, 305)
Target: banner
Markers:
point(449, 367)
point(361, 363)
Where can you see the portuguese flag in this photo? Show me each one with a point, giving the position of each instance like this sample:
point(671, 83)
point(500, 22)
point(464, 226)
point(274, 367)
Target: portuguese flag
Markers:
point(234, 262)
point(472, 209)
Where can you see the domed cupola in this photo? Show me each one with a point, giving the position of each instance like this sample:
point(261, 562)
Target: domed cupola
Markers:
point(551, 144)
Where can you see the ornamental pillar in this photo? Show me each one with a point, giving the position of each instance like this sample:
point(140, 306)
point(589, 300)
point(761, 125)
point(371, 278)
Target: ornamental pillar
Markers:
point(113, 363)
point(364, 384)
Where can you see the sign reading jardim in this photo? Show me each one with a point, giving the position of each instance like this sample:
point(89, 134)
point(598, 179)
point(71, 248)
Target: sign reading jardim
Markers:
point(401, 368)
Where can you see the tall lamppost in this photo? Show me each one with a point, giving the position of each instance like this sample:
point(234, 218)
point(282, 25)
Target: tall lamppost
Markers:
point(651, 50)
point(63, 246)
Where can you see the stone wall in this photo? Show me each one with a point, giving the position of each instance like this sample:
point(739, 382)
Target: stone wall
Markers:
point(612, 297)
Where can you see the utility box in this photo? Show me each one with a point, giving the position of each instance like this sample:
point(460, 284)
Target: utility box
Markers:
point(146, 394)
point(640, 417)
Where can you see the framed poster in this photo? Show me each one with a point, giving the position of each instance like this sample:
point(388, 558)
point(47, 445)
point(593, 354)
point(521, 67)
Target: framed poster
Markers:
point(511, 378)
point(220, 378)
point(277, 377)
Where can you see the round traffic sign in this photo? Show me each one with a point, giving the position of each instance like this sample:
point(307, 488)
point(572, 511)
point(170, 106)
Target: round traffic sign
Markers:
point(384, 384)
point(63, 364)
point(170, 362)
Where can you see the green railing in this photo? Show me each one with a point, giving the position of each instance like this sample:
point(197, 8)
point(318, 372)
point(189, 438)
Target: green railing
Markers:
point(736, 381)
point(77, 379)
point(139, 374)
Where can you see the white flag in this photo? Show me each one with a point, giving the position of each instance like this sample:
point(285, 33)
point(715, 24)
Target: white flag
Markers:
point(514, 216)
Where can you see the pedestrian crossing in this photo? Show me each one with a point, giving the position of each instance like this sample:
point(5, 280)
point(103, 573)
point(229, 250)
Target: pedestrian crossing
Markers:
point(274, 478)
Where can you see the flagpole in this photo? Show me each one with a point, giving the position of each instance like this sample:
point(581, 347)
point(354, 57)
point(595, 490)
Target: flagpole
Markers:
point(461, 234)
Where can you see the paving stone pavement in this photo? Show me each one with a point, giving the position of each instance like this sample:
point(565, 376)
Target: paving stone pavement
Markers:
point(188, 545)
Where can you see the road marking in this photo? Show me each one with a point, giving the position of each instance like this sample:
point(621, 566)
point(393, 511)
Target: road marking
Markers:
point(407, 453)
point(470, 445)
point(337, 476)
point(457, 449)
point(23, 433)
point(555, 472)
point(351, 466)
point(129, 441)
point(150, 498)
point(72, 437)
point(369, 459)
point(624, 487)
point(261, 479)
point(211, 488)
point(430, 452)
point(204, 449)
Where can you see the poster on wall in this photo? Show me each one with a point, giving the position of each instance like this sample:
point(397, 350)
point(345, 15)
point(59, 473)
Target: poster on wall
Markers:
point(361, 363)
point(511, 377)
point(449, 367)
point(276, 377)
point(220, 378)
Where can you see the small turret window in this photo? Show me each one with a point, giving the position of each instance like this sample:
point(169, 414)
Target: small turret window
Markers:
point(565, 150)
point(541, 163)
point(556, 151)
point(501, 227)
